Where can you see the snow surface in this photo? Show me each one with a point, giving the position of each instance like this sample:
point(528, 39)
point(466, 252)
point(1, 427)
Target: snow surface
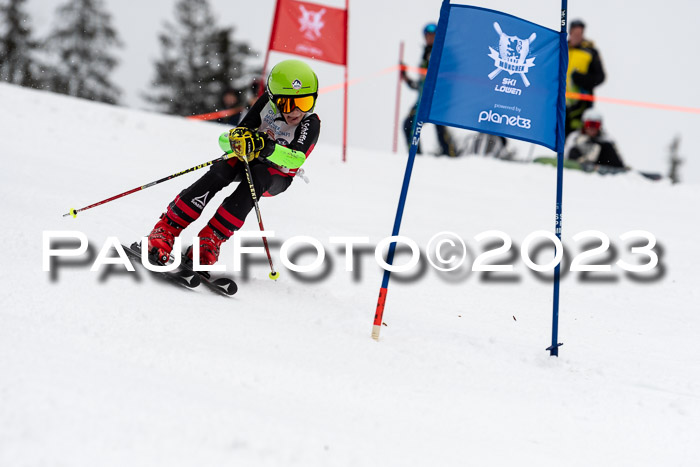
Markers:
point(113, 368)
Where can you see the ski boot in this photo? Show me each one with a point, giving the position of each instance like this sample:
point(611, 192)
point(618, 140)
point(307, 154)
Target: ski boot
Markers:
point(209, 246)
point(161, 239)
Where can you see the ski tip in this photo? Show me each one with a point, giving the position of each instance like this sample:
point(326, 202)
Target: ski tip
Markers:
point(274, 275)
point(226, 286)
point(191, 281)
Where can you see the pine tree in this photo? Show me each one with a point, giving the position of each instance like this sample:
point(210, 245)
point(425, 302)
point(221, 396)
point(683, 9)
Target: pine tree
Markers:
point(199, 61)
point(82, 42)
point(17, 64)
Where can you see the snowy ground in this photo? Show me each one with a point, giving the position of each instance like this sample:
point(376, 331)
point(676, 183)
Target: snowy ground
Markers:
point(111, 368)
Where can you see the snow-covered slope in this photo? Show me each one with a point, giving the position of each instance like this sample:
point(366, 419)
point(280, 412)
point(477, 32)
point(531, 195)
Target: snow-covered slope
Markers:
point(113, 368)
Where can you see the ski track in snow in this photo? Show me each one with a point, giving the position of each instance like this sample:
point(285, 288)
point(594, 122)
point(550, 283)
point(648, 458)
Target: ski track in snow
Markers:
point(114, 368)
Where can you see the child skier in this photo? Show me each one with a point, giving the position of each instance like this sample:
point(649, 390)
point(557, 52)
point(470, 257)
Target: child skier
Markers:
point(276, 136)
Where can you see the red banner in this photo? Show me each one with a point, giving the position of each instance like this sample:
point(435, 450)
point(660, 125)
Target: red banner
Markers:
point(310, 30)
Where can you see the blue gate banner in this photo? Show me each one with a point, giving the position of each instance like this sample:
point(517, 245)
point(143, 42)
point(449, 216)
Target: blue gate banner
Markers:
point(494, 73)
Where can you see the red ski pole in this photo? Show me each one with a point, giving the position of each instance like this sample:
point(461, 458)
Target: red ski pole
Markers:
point(74, 212)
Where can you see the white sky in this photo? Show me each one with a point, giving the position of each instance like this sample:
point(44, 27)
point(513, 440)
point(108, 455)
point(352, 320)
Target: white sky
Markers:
point(647, 49)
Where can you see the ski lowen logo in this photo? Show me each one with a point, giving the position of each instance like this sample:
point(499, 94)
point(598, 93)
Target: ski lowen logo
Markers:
point(311, 23)
point(512, 55)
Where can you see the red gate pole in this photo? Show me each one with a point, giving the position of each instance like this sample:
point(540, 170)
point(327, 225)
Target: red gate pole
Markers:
point(345, 86)
point(398, 100)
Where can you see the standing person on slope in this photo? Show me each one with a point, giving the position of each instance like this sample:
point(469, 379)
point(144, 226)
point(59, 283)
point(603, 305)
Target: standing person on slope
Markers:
point(276, 136)
point(447, 147)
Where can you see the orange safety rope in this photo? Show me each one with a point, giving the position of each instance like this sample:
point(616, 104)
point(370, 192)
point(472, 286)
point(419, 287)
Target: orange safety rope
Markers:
point(423, 71)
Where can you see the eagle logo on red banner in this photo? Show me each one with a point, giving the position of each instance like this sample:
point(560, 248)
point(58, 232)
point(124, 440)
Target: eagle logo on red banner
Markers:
point(311, 23)
point(310, 30)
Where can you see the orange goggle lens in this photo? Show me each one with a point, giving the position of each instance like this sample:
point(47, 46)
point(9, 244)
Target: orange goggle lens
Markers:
point(287, 104)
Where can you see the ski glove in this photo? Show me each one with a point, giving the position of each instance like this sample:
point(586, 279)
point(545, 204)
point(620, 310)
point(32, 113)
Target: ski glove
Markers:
point(246, 143)
point(411, 83)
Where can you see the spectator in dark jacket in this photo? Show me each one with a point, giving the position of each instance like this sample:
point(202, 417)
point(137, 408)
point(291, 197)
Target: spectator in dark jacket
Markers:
point(231, 100)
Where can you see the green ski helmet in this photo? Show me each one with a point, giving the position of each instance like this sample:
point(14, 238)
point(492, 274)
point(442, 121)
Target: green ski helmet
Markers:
point(290, 84)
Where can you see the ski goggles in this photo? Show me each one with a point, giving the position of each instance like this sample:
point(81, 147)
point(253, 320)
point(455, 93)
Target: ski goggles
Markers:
point(286, 104)
point(592, 124)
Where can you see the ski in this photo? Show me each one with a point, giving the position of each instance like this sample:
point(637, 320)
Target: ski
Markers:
point(221, 285)
point(601, 170)
point(182, 275)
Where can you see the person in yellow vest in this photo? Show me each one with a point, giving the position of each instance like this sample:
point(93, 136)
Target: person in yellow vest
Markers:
point(584, 74)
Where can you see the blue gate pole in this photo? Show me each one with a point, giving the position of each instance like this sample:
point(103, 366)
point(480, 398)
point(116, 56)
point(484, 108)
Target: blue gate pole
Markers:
point(377, 325)
point(561, 134)
point(422, 116)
